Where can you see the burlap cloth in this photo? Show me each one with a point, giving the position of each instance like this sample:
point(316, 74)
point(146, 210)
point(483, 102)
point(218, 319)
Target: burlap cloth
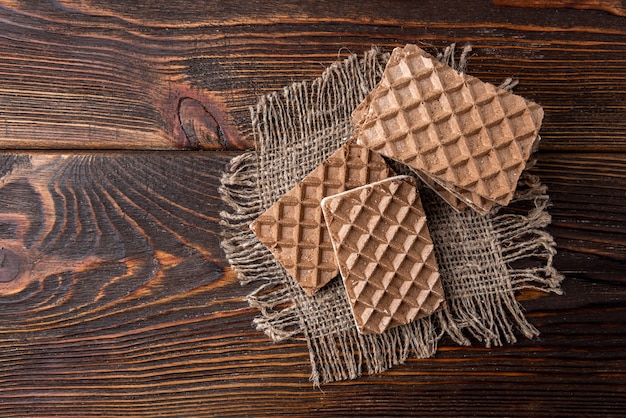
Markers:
point(296, 130)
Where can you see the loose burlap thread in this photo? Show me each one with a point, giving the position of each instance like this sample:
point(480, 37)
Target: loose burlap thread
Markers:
point(296, 130)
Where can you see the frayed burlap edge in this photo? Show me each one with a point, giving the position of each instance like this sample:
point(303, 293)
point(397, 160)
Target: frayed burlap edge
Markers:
point(486, 310)
point(344, 354)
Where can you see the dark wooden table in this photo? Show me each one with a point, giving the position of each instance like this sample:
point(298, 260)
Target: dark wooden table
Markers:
point(118, 118)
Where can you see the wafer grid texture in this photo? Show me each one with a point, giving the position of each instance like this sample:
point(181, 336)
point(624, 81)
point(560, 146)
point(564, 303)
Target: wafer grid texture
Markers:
point(385, 253)
point(294, 229)
point(452, 126)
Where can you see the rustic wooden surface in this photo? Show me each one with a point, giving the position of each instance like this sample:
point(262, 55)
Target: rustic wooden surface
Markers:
point(115, 298)
point(617, 7)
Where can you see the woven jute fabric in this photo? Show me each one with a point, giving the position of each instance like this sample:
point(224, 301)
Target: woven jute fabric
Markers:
point(483, 260)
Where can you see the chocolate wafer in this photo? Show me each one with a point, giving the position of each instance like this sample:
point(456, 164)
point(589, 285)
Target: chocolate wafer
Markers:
point(451, 197)
point(385, 253)
point(465, 134)
point(458, 197)
point(294, 229)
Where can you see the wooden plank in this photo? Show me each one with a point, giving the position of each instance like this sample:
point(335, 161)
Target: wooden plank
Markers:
point(87, 74)
point(588, 216)
point(617, 7)
point(122, 304)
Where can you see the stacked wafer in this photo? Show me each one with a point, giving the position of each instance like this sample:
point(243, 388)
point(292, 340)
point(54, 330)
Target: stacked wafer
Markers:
point(385, 253)
point(467, 139)
point(294, 229)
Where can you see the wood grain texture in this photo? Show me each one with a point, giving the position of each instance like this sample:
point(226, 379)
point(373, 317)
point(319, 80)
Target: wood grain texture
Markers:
point(115, 298)
point(164, 75)
point(617, 7)
point(124, 305)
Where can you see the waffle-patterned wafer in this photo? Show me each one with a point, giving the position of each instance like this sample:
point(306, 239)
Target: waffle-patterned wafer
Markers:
point(447, 195)
point(458, 197)
point(464, 133)
point(385, 253)
point(294, 229)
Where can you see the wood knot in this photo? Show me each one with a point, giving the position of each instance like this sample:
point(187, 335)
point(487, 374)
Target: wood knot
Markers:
point(199, 125)
point(197, 119)
point(9, 265)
